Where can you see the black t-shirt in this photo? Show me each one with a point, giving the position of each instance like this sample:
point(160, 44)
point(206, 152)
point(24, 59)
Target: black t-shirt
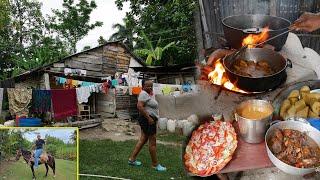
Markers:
point(40, 143)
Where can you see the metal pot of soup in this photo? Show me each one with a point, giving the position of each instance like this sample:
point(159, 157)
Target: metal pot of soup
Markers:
point(253, 117)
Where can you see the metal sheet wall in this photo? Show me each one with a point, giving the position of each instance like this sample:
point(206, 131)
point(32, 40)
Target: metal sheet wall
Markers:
point(215, 10)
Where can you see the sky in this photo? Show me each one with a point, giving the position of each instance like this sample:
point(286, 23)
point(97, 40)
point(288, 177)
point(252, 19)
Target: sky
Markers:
point(63, 134)
point(106, 12)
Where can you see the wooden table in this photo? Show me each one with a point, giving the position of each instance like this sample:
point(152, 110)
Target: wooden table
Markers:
point(247, 156)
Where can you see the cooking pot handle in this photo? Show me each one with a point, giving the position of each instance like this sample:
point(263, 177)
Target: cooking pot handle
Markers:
point(289, 63)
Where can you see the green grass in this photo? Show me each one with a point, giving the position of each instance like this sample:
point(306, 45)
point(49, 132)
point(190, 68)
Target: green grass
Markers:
point(65, 170)
point(171, 137)
point(109, 158)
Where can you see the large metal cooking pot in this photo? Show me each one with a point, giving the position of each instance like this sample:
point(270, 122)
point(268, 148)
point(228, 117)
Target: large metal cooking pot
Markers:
point(258, 84)
point(237, 27)
point(295, 125)
point(253, 130)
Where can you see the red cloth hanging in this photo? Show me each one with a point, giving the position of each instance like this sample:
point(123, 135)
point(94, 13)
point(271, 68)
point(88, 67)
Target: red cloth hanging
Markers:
point(64, 103)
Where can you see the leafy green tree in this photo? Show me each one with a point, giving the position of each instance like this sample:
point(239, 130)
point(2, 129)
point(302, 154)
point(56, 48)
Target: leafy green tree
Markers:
point(123, 34)
point(86, 48)
point(153, 54)
point(26, 42)
point(169, 20)
point(101, 40)
point(6, 35)
point(73, 21)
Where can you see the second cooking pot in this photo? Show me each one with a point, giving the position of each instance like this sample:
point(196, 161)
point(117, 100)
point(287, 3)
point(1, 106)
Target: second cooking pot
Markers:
point(258, 84)
point(237, 27)
point(253, 129)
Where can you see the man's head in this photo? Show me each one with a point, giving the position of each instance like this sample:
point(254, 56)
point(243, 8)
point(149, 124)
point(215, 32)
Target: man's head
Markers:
point(38, 136)
point(147, 86)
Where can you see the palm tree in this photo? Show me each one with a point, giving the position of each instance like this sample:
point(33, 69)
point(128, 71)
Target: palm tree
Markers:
point(123, 33)
point(153, 54)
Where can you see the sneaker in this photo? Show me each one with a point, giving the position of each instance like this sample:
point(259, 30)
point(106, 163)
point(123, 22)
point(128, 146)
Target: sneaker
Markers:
point(160, 168)
point(134, 163)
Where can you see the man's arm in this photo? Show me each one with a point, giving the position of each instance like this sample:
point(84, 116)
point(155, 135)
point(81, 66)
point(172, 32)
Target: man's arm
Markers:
point(308, 22)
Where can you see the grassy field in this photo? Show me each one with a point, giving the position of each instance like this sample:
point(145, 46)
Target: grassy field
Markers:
point(109, 158)
point(170, 137)
point(65, 170)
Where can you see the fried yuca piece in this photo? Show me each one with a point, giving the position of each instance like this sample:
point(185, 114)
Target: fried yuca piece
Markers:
point(299, 105)
point(294, 94)
point(284, 107)
point(315, 106)
point(291, 111)
point(305, 89)
point(314, 96)
point(304, 96)
point(303, 113)
point(311, 114)
point(310, 101)
point(293, 100)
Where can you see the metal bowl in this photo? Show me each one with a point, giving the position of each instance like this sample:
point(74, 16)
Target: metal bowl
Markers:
point(253, 130)
point(295, 125)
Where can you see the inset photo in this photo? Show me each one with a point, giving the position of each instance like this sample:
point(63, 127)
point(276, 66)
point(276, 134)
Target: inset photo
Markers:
point(38, 153)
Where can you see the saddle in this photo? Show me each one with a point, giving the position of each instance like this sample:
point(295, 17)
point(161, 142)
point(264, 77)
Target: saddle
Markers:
point(43, 158)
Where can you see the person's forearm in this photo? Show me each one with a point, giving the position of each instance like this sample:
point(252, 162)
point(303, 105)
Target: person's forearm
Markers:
point(144, 113)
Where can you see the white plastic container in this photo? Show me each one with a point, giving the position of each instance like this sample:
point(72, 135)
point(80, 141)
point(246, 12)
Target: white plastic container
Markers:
point(180, 123)
point(193, 119)
point(187, 128)
point(171, 125)
point(9, 123)
point(163, 123)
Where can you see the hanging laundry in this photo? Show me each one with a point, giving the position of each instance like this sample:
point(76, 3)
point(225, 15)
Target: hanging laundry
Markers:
point(123, 89)
point(85, 83)
point(62, 80)
point(41, 101)
point(105, 87)
point(120, 81)
point(67, 71)
point(19, 100)
point(83, 72)
point(1, 99)
point(114, 82)
point(74, 83)
point(83, 94)
point(64, 103)
point(166, 90)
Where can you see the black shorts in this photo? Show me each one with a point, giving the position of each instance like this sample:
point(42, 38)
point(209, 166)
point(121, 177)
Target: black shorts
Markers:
point(146, 127)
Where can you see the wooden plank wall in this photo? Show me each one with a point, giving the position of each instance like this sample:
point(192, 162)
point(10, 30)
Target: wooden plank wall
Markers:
point(100, 62)
point(215, 10)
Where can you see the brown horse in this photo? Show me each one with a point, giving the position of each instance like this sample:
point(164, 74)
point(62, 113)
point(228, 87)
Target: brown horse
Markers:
point(27, 156)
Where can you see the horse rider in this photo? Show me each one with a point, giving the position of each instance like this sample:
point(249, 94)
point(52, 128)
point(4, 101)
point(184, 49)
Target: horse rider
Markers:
point(38, 146)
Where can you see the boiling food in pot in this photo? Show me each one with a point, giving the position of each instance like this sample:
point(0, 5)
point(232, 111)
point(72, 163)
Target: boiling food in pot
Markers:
point(251, 68)
point(295, 148)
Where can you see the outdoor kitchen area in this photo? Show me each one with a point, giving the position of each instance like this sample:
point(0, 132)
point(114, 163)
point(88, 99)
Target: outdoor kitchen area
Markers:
point(259, 85)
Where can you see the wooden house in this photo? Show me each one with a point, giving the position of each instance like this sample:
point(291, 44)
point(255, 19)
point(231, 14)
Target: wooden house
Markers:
point(98, 63)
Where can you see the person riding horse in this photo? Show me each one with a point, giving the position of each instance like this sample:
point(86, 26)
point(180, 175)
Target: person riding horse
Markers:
point(38, 146)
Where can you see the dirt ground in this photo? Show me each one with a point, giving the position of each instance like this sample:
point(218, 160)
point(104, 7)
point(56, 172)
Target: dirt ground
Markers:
point(114, 129)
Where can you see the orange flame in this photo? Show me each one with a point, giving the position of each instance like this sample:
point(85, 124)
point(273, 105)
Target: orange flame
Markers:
point(256, 38)
point(218, 77)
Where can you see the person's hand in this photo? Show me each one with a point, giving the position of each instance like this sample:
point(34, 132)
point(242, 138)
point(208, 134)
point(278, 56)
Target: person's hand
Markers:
point(150, 120)
point(307, 22)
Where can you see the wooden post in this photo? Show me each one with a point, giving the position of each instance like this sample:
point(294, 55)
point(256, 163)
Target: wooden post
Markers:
point(46, 81)
point(198, 28)
point(273, 7)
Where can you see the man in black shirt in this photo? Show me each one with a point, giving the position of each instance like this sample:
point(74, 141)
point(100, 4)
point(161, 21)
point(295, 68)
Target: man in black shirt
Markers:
point(39, 143)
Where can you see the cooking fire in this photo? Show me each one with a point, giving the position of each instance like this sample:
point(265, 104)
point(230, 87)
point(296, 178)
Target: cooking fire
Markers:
point(217, 73)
